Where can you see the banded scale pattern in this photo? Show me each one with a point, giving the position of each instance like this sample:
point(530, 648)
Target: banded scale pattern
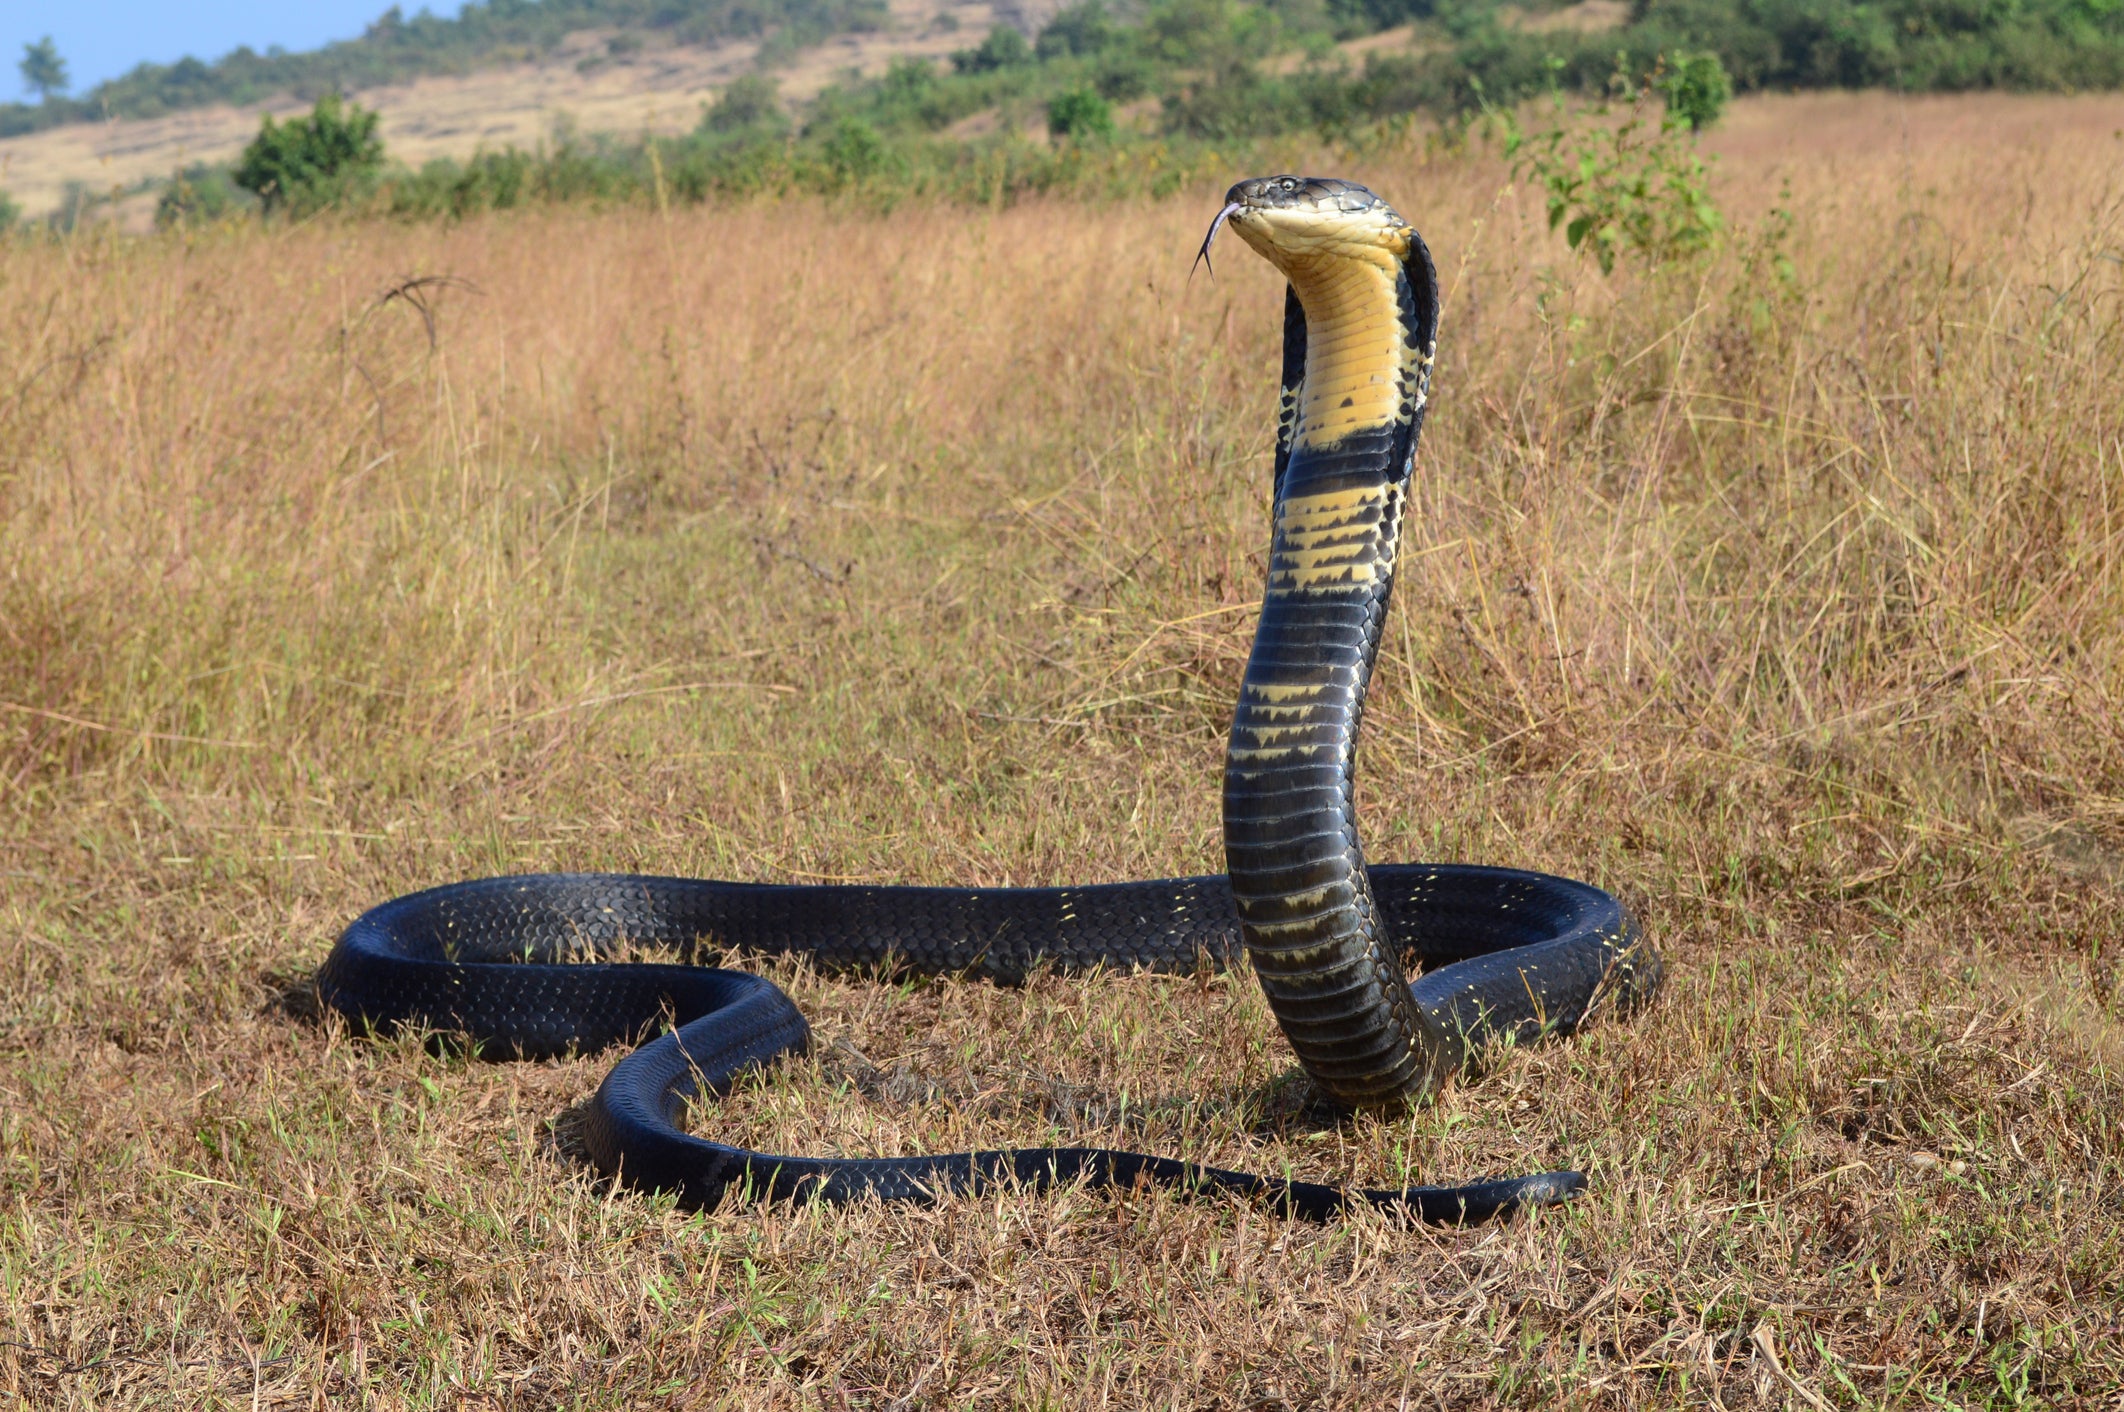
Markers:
point(1297, 868)
point(513, 964)
point(1367, 328)
point(520, 965)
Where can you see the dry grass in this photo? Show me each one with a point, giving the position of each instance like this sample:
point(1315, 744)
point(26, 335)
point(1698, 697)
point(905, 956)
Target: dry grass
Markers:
point(779, 543)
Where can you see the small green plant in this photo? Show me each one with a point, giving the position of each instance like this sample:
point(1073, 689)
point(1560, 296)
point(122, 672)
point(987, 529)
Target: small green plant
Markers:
point(10, 212)
point(1632, 187)
point(311, 162)
point(1769, 282)
point(1080, 115)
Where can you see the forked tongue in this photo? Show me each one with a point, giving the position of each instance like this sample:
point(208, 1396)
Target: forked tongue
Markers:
point(1202, 256)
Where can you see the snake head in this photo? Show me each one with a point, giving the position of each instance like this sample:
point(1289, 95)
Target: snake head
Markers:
point(1294, 220)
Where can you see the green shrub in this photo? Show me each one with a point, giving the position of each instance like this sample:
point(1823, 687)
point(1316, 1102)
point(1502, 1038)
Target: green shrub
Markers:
point(853, 151)
point(307, 163)
point(492, 181)
point(1122, 74)
point(1634, 188)
point(10, 212)
point(1697, 89)
point(751, 103)
point(1080, 115)
point(1004, 48)
point(199, 195)
point(1076, 32)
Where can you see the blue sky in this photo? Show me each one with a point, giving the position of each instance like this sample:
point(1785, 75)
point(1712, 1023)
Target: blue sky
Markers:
point(101, 39)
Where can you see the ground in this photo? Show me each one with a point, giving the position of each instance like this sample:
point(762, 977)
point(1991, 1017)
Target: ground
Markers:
point(1779, 592)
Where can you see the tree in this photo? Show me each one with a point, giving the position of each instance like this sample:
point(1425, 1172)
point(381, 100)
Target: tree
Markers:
point(1079, 30)
point(748, 103)
point(1081, 114)
point(1697, 89)
point(853, 151)
point(1004, 48)
point(306, 163)
point(43, 69)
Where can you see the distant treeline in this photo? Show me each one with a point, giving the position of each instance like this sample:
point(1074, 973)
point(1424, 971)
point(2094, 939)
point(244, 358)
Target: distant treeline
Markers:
point(1915, 45)
point(1466, 51)
point(1225, 69)
point(397, 47)
point(1101, 103)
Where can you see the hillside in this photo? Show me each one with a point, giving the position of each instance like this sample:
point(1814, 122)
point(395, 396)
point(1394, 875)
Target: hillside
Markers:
point(397, 49)
point(869, 90)
point(580, 81)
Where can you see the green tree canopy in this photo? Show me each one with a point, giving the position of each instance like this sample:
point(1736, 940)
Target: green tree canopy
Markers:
point(312, 161)
point(1004, 48)
point(749, 103)
point(43, 71)
point(1697, 89)
point(1081, 29)
point(1080, 113)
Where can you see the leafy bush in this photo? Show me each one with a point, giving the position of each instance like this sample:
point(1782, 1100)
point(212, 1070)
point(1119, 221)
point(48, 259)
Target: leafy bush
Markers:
point(307, 163)
point(1076, 32)
point(750, 103)
point(1004, 48)
point(853, 151)
point(10, 212)
point(491, 181)
point(1697, 89)
point(1080, 114)
point(1635, 188)
point(199, 195)
point(1122, 74)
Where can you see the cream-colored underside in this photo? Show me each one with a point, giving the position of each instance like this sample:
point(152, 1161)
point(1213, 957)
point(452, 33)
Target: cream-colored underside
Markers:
point(1344, 270)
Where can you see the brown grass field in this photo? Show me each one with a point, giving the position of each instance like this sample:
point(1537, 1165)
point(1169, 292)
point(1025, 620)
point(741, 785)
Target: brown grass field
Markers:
point(788, 542)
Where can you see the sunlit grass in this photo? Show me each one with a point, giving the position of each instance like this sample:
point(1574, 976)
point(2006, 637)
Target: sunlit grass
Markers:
point(783, 543)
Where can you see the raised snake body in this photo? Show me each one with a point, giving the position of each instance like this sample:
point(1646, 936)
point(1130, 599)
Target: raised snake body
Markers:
point(1508, 954)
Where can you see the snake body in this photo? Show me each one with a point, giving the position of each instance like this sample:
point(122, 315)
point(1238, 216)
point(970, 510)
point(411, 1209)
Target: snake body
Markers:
point(1507, 955)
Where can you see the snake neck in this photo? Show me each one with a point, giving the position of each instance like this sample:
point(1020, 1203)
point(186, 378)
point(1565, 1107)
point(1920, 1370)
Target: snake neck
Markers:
point(1346, 450)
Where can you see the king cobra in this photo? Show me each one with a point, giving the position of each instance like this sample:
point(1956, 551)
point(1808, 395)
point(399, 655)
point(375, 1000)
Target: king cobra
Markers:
point(1506, 956)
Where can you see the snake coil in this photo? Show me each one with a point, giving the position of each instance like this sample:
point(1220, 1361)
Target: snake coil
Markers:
point(1508, 955)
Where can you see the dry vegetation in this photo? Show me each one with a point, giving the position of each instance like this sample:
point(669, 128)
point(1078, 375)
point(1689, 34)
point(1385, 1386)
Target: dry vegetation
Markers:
point(783, 543)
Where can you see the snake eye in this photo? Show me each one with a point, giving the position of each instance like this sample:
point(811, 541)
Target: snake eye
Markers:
point(1289, 184)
